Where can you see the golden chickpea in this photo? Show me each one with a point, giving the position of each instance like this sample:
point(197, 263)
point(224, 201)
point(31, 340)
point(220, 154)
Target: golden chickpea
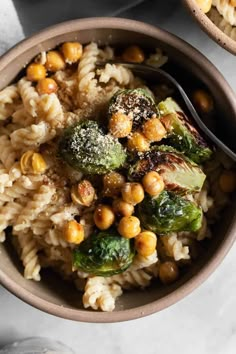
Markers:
point(138, 142)
point(168, 272)
point(112, 183)
point(205, 5)
point(72, 51)
point(145, 243)
point(203, 101)
point(154, 130)
point(73, 232)
point(129, 226)
point(232, 3)
point(153, 183)
point(133, 54)
point(132, 193)
point(227, 181)
point(120, 125)
point(83, 193)
point(104, 216)
point(35, 72)
point(55, 61)
point(122, 208)
point(46, 85)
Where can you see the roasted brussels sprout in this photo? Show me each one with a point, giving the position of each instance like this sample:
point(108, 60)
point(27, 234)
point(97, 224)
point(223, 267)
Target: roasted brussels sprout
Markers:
point(181, 133)
point(87, 148)
point(178, 172)
point(137, 103)
point(104, 254)
point(169, 213)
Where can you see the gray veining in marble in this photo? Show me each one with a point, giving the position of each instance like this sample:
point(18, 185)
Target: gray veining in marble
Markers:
point(202, 323)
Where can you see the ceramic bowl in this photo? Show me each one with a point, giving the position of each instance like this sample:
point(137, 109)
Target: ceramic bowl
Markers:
point(52, 294)
point(213, 29)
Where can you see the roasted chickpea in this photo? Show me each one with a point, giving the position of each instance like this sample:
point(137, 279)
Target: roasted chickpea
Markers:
point(129, 226)
point(203, 101)
point(138, 142)
point(227, 181)
point(153, 183)
point(55, 61)
point(72, 51)
point(133, 54)
point(132, 193)
point(112, 183)
point(145, 243)
point(120, 125)
point(122, 208)
point(168, 272)
point(35, 72)
point(232, 3)
point(104, 216)
point(205, 5)
point(74, 232)
point(154, 130)
point(83, 193)
point(32, 162)
point(46, 85)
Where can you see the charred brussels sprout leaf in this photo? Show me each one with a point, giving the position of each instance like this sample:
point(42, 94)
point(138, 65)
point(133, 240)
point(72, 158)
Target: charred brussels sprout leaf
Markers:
point(169, 213)
point(137, 103)
point(87, 148)
point(104, 254)
point(181, 133)
point(179, 173)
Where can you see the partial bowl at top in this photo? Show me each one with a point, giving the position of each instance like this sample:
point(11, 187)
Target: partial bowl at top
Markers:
point(215, 25)
point(52, 294)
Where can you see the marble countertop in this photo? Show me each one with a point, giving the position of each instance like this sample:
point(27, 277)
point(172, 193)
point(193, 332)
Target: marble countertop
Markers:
point(202, 323)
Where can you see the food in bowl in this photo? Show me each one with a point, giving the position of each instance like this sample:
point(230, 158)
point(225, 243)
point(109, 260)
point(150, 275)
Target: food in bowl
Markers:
point(222, 13)
point(104, 177)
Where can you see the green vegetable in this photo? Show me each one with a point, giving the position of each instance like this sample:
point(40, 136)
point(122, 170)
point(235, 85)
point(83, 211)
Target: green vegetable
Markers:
point(169, 213)
point(181, 133)
point(104, 254)
point(87, 148)
point(137, 103)
point(179, 173)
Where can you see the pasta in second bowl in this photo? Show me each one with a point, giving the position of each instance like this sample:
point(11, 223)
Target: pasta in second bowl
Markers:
point(217, 18)
point(65, 207)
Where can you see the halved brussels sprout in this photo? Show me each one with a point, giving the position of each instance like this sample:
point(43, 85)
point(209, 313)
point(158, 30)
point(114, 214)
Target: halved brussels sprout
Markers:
point(104, 254)
point(178, 172)
point(169, 213)
point(137, 103)
point(87, 148)
point(181, 133)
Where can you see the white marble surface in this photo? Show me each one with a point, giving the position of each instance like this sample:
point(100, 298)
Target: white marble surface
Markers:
point(202, 323)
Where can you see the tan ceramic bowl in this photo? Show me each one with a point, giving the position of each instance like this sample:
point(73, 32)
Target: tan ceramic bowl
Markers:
point(209, 27)
point(54, 295)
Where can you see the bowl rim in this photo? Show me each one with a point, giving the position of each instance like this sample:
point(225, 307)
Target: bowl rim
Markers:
point(209, 27)
point(223, 249)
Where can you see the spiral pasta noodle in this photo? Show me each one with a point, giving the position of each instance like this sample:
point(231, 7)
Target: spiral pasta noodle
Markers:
point(50, 110)
point(8, 97)
point(223, 25)
point(32, 136)
point(28, 255)
point(120, 74)
point(132, 279)
point(30, 212)
point(7, 152)
point(87, 82)
point(100, 295)
point(29, 96)
point(227, 10)
point(174, 247)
